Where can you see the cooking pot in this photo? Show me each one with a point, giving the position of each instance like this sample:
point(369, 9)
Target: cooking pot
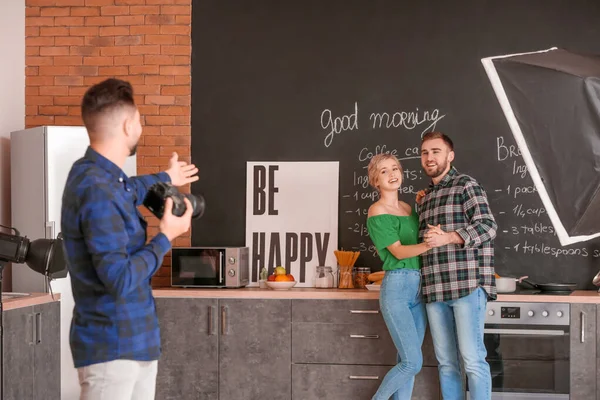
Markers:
point(508, 285)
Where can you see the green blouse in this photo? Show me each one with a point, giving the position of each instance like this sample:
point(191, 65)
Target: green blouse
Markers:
point(386, 229)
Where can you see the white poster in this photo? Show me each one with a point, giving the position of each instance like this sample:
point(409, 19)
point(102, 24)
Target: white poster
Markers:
point(292, 217)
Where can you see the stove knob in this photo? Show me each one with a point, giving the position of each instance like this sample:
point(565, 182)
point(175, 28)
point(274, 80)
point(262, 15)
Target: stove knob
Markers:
point(559, 314)
point(491, 312)
point(530, 313)
point(545, 313)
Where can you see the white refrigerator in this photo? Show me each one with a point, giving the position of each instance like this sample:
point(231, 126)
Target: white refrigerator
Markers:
point(41, 159)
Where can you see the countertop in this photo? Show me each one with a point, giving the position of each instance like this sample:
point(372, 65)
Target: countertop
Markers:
point(257, 293)
point(32, 300)
point(578, 296)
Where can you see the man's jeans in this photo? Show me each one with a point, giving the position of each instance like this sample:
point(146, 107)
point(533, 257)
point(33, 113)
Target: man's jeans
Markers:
point(458, 325)
point(405, 318)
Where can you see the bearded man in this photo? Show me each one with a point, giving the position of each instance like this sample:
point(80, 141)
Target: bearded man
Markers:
point(455, 220)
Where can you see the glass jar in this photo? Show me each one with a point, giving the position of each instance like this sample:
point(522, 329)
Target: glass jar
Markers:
point(361, 277)
point(324, 277)
point(345, 277)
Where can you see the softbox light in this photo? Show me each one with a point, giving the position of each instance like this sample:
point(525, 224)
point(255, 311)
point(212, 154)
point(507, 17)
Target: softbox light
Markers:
point(551, 100)
point(44, 256)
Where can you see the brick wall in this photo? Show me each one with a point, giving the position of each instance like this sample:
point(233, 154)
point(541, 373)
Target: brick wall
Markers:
point(72, 44)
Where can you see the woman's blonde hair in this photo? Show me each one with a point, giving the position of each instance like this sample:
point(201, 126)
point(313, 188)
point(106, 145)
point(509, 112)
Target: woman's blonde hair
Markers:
point(373, 169)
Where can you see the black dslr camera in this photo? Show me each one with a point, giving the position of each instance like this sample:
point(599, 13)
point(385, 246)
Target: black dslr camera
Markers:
point(158, 193)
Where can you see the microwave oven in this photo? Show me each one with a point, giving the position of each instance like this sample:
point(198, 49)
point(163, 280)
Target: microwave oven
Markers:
point(210, 267)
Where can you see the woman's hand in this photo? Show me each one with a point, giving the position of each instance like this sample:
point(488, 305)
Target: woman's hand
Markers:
point(436, 237)
point(420, 194)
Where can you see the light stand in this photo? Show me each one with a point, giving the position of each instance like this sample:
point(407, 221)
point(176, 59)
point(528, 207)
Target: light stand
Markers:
point(45, 256)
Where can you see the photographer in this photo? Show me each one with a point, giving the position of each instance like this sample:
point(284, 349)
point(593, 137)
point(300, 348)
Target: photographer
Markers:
point(114, 337)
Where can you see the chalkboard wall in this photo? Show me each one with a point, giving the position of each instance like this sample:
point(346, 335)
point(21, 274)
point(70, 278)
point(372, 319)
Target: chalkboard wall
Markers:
point(342, 80)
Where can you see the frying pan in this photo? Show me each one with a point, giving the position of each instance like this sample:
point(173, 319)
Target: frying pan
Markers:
point(552, 287)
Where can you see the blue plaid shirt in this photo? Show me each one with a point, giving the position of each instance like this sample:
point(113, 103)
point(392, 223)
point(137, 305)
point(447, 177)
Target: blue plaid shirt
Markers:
point(109, 262)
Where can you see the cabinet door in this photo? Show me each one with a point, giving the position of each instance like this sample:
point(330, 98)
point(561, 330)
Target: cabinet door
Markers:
point(321, 332)
point(46, 370)
point(361, 344)
point(188, 366)
point(255, 349)
point(18, 345)
point(583, 352)
point(354, 382)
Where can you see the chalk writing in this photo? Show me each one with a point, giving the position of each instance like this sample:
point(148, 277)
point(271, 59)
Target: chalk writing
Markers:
point(519, 169)
point(366, 154)
point(373, 195)
point(532, 248)
point(520, 190)
point(424, 120)
point(505, 152)
point(337, 125)
point(363, 247)
point(359, 228)
point(535, 229)
point(521, 211)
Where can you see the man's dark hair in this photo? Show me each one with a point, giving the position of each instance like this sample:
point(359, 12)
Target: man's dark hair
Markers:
point(438, 135)
point(103, 98)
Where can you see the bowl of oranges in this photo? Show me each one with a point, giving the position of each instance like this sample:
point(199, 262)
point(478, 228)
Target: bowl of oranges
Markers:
point(280, 280)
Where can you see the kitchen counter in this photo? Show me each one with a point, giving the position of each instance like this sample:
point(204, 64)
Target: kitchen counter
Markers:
point(34, 299)
point(257, 293)
point(578, 296)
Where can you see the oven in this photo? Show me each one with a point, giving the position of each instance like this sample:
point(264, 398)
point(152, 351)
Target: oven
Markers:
point(528, 350)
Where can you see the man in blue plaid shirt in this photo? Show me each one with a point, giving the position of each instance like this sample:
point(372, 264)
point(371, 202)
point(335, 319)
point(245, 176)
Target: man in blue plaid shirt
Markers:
point(458, 272)
point(114, 338)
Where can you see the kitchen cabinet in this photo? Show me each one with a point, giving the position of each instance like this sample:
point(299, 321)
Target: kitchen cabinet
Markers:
point(189, 365)
point(583, 345)
point(280, 349)
point(353, 382)
point(341, 349)
point(224, 349)
point(255, 349)
point(31, 362)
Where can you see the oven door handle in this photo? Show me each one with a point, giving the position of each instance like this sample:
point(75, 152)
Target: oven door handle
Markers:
point(526, 332)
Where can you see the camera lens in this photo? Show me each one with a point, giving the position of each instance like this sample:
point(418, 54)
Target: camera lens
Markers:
point(198, 204)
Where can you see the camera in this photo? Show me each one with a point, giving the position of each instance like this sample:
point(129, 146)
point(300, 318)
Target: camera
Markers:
point(158, 193)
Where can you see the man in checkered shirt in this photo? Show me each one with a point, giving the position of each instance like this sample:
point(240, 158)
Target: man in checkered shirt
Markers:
point(458, 272)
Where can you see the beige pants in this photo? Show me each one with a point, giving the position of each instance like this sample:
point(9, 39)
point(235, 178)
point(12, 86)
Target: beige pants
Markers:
point(118, 380)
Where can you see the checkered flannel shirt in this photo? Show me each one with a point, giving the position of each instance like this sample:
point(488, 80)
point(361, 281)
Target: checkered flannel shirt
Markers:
point(458, 203)
point(110, 263)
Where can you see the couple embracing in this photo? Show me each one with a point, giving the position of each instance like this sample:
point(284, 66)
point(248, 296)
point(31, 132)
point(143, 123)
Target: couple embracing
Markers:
point(438, 262)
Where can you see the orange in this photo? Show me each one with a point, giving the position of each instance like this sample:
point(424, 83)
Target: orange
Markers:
point(290, 277)
point(281, 278)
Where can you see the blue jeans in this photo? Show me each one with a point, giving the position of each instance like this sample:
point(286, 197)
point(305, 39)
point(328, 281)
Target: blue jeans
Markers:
point(404, 315)
point(457, 325)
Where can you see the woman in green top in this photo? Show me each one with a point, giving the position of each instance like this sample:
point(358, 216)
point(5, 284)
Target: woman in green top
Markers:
point(393, 227)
